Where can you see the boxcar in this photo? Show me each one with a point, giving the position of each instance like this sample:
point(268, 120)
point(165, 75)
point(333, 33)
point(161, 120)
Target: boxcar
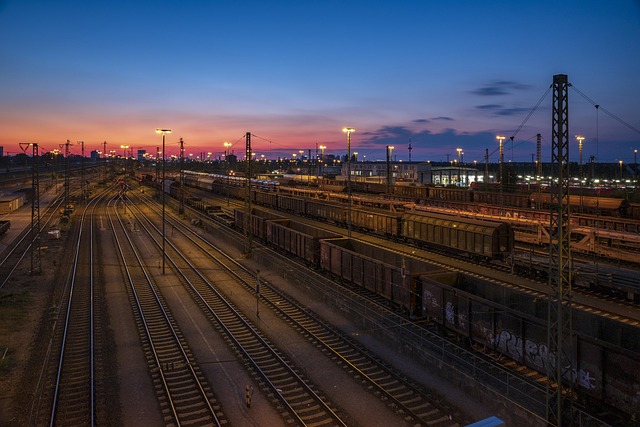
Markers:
point(386, 273)
point(205, 183)
point(379, 221)
point(266, 198)
point(492, 240)
point(291, 203)
point(331, 212)
point(257, 220)
point(298, 239)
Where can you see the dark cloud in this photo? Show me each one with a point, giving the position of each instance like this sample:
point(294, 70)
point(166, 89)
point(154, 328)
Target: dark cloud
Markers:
point(420, 121)
point(497, 88)
point(492, 107)
point(500, 110)
point(445, 118)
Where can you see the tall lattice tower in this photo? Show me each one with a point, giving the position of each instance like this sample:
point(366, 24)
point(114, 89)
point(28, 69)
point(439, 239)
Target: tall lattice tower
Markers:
point(560, 328)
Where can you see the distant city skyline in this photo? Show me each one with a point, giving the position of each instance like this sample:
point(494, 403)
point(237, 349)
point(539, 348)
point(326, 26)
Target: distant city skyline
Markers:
point(439, 75)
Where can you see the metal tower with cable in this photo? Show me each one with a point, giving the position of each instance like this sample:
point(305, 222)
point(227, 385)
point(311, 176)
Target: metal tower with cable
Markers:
point(35, 209)
point(559, 326)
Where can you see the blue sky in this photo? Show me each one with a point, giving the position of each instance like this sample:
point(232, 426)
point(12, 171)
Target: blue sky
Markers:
point(294, 73)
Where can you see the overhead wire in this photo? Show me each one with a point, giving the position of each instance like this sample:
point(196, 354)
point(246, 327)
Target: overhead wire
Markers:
point(604, 110)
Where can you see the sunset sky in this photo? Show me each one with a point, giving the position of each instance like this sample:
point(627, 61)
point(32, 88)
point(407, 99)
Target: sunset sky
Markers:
point(440, 74)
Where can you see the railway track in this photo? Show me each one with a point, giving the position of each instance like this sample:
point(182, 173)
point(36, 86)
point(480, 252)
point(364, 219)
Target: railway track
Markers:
point(71, 391)
point(302, 403)
point(182, 390)
point(404, 396)
point(22, 246)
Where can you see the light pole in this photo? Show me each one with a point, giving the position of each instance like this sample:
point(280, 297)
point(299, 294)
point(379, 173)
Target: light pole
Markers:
point(349, 131)
point(124, 157)
point(635, 161)
point(322, 148)
point(162, 189)
point(226, 160)
point(620, 170)
point(459, 150)
point(389, 157)
point(501, 140)
point(580, 138)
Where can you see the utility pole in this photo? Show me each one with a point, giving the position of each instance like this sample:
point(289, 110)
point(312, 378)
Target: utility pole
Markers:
point(35, 208)
point(410, 148)
point(158, 169)
point(83, 188)
point(486, 167)
point(181, 210)
point(248, 223)
point(559, 323)
point(539, 155)
point(104, 161)
point(67, 208)
point(389, 151)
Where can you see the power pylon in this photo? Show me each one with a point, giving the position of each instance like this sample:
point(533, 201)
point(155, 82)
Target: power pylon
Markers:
point(560, 328)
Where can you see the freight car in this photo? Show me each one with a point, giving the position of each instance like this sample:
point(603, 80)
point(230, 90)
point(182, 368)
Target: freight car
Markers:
point(383, 272)
point(297, 239)
point(607, 206)
point(475, 238)
point(606, 363)
point(256, 221)
point(485, 239)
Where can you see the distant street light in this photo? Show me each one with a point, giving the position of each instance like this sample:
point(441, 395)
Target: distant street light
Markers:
point(389, 174)
point(162, 189)
point(501, 140)
point(124, 157)
point(580, 138)
point(620, 170)
point(349, 131)
point(226, 160)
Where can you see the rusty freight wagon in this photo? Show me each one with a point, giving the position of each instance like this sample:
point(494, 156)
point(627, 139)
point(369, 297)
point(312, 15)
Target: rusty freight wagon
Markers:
point(298, 239)
point(379, 270)
point(257, 219)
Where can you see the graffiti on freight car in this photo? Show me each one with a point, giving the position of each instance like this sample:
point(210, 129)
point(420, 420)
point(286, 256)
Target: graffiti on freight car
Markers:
point(450, 313)
point(538, 356)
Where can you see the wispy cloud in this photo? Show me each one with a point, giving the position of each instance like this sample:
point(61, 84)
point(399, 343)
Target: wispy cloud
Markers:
point(498, 88)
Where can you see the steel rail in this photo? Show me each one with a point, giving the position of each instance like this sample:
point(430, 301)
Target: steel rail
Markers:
point(248, 332)
point(170, 389)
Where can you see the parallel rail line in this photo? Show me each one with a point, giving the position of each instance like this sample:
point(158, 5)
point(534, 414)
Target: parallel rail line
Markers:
point(407, 398)
point(304, 404)
point(184, 394)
